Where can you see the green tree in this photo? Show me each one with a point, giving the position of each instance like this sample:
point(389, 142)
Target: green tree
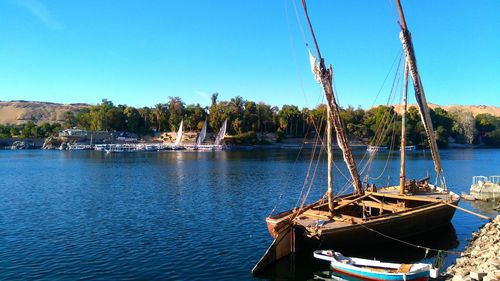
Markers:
point(28, 130)
point(69, 120)
point(443, 124)
point(115, 119)
point(265, 118)
point(492, 138)
point(353, 121)
point(195, 115)
point(83, 119)
point(464, 126)
point(486, 123)
point(289, 117)
point(134, 121)
point(160, 113)
point(176, 112)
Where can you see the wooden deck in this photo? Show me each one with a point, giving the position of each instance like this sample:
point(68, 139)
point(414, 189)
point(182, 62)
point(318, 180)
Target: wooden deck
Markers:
point(385, 205)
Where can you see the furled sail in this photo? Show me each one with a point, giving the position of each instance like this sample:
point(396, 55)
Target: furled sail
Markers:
point(325, 77)
point(179, 134)
point(314, 66)
point(405, 37)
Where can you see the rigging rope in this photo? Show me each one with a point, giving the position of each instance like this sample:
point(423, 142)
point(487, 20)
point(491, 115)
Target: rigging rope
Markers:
point(383, 127)
point(410, 244)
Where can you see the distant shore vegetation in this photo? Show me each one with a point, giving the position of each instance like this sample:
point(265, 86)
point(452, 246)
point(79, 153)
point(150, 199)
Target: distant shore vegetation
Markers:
point(379, 125)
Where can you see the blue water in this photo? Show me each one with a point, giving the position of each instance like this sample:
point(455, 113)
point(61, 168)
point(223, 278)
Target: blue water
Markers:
point(173, 215)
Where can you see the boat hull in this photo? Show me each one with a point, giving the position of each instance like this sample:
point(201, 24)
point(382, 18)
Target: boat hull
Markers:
point(408, 224)
point(422, 276)
point(373, 269)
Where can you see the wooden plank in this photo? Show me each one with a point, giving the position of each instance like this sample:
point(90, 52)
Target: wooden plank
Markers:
point(350, 219)
point(383, 206)
point(317, 214)
point(467, 211)
point(343, 204)
point(375, 199)
point(407, 197)
point(404, 268)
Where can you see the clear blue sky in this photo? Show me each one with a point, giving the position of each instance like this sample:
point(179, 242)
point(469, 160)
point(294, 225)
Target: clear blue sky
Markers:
point(139, 52)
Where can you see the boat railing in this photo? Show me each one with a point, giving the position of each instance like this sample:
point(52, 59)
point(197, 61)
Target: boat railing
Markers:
point(479, 179)
point(494, 179)
point(483, 180)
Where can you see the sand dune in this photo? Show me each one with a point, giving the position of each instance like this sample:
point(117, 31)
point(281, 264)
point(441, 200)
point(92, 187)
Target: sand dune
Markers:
point(474, 109)
point(20, 112)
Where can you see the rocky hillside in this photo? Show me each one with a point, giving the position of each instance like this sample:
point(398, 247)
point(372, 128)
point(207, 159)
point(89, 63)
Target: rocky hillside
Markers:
point(475, 109)
point(20, 112)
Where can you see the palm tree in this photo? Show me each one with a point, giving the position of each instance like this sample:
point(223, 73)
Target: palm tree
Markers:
point(159, 116)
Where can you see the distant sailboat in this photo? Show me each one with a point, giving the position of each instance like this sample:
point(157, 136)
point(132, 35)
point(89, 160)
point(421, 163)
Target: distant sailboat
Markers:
point(220, 137)
point(178, 139)
point(202, 135)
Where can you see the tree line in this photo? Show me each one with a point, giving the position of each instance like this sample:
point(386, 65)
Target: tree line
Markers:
point(376, 126)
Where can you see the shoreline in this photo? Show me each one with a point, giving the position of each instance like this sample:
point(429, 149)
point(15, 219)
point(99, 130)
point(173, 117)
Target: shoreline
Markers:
point(38, 144)
point(481, 258)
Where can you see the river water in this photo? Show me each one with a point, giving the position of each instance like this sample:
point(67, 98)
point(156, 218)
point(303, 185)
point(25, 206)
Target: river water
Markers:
point(183, 215)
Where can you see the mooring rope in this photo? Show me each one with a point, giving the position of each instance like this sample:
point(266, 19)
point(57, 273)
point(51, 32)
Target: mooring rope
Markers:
point(411, 244)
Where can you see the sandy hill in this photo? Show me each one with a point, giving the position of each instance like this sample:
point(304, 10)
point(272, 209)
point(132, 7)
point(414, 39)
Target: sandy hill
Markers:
point(474, 109)
point(20, 112)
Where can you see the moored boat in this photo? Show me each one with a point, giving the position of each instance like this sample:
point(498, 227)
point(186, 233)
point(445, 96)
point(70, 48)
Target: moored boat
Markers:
point(119, 148)
point(373, 148)
point(178, 140)
point(369, 214)
point(80, 147)
point(373, 269)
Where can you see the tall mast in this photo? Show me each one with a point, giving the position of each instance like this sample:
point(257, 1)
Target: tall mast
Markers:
point(329, 191)
point(325, 77)
point(405, 37)
point(402, 176)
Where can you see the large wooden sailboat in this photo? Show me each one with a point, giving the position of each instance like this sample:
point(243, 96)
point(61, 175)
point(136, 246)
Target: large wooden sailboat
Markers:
point(368, 214)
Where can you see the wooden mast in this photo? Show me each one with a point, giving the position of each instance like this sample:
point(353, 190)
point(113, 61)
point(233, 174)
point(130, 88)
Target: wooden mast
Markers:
point(326, 77)
point(402, 176)
point(405, 37)
point(329, 192)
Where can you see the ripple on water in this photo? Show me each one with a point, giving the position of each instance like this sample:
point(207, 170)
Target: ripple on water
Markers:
point(157, 216)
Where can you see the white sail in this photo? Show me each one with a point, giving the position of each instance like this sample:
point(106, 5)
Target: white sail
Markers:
point(179, 134)
point(222, 133)
point(203, 134)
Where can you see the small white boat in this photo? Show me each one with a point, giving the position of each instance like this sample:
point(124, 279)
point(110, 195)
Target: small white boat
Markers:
point(119, 148)
point(100, 147)
point(80, 147)
point(373, 269)
point(372, 148)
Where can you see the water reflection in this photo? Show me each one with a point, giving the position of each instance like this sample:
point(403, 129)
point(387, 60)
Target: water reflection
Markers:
point(182, 214)
point(302, 266)
point(487, 207)
point(326, 276)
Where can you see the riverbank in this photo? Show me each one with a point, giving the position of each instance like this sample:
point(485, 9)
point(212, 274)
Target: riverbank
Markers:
point(481, 259)
point(286, 143)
